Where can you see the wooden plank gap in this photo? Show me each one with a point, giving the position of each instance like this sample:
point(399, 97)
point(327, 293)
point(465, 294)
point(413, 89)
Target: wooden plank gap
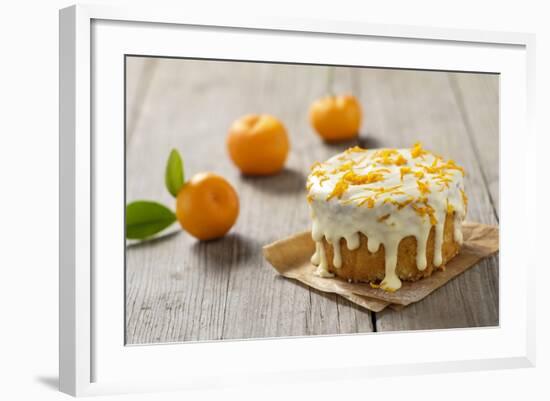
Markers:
point(373, 318)
point(222, 334)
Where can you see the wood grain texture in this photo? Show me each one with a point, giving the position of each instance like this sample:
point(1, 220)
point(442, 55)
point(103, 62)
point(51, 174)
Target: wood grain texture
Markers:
point(477, 97)
point(138, 79)
point(180, 289)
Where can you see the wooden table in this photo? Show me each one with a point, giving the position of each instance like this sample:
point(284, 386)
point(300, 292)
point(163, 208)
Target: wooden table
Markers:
point(179, 289)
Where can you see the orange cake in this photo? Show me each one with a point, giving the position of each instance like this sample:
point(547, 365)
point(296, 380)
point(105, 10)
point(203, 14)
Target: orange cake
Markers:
point(385, 215)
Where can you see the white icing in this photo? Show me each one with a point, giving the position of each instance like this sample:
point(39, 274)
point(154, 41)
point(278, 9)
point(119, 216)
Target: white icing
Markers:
point(386, 195)
point(353, 241)
point(421, 245)
point(316, 257)
point(322, 269)
point(391, 282)
point(337, 261)
point(373, 244)
point(438, 244)
point(458, 228)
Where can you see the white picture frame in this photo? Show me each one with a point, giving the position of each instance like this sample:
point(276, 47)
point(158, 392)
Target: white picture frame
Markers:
point(93, 357)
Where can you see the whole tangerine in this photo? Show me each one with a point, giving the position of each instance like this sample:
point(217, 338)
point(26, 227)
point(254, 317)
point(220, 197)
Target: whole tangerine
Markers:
point(207, 206)
point(336, 118)
point(258, 144)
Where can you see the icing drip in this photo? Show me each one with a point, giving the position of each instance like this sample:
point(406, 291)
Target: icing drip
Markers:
point(421, 245)
point(337, 259)
point(373, 244)
point(322, 269)
point(387, 195)
point(391, 282)
point(316, 257)
point(438, 244)
point(353, 241)
point(457, 235)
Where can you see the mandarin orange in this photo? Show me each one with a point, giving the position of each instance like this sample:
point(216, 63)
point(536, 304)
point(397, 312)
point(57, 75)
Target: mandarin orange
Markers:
point(207, 206)
point(258, 144)
point(336, 118)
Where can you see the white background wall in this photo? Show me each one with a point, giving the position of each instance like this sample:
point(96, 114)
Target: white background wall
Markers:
point(29, 194)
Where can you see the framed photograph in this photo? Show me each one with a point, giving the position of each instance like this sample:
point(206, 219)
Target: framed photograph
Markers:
point(271, 200)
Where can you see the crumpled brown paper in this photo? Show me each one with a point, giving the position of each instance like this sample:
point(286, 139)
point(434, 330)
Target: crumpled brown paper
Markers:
point(291, 258)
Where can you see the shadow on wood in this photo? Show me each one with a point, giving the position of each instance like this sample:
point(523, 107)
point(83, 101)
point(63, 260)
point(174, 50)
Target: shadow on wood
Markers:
point(365, 141)
point(233, 249)
point(288, 181)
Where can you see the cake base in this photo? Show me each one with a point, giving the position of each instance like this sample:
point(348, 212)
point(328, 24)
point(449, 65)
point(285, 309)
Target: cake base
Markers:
point(362, 265)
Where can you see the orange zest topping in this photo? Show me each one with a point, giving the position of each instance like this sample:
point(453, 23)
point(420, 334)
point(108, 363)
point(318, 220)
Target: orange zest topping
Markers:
point(400, 205)
point(355, 149)
point(319, 173)
point(404, 170)
point(369, 178)
point(385, 153)
point(389, 157)
point(451, 165)
point(344, 167)
point(423, 187)
point(464, 198)
point(315, 165)
point(444, 182)
point(430, 169)
point(370, 201)
point(417, 150)
point(425, 210)
point(383, 190)
point(339, 189)
point(400, 160)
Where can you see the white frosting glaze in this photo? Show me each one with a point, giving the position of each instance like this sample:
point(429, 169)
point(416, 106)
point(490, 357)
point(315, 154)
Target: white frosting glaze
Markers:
point(387, 195)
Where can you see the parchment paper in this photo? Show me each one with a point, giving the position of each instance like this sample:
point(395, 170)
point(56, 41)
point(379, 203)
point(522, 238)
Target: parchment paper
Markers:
point(291, 258)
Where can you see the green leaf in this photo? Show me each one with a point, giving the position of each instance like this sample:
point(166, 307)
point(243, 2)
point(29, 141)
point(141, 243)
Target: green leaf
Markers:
point(174, 177)
point(146, 218)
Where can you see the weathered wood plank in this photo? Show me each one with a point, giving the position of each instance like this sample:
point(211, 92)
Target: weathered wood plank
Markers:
point(139, 72)
point(403, 107)
point(180, 289)
point(477, 97)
